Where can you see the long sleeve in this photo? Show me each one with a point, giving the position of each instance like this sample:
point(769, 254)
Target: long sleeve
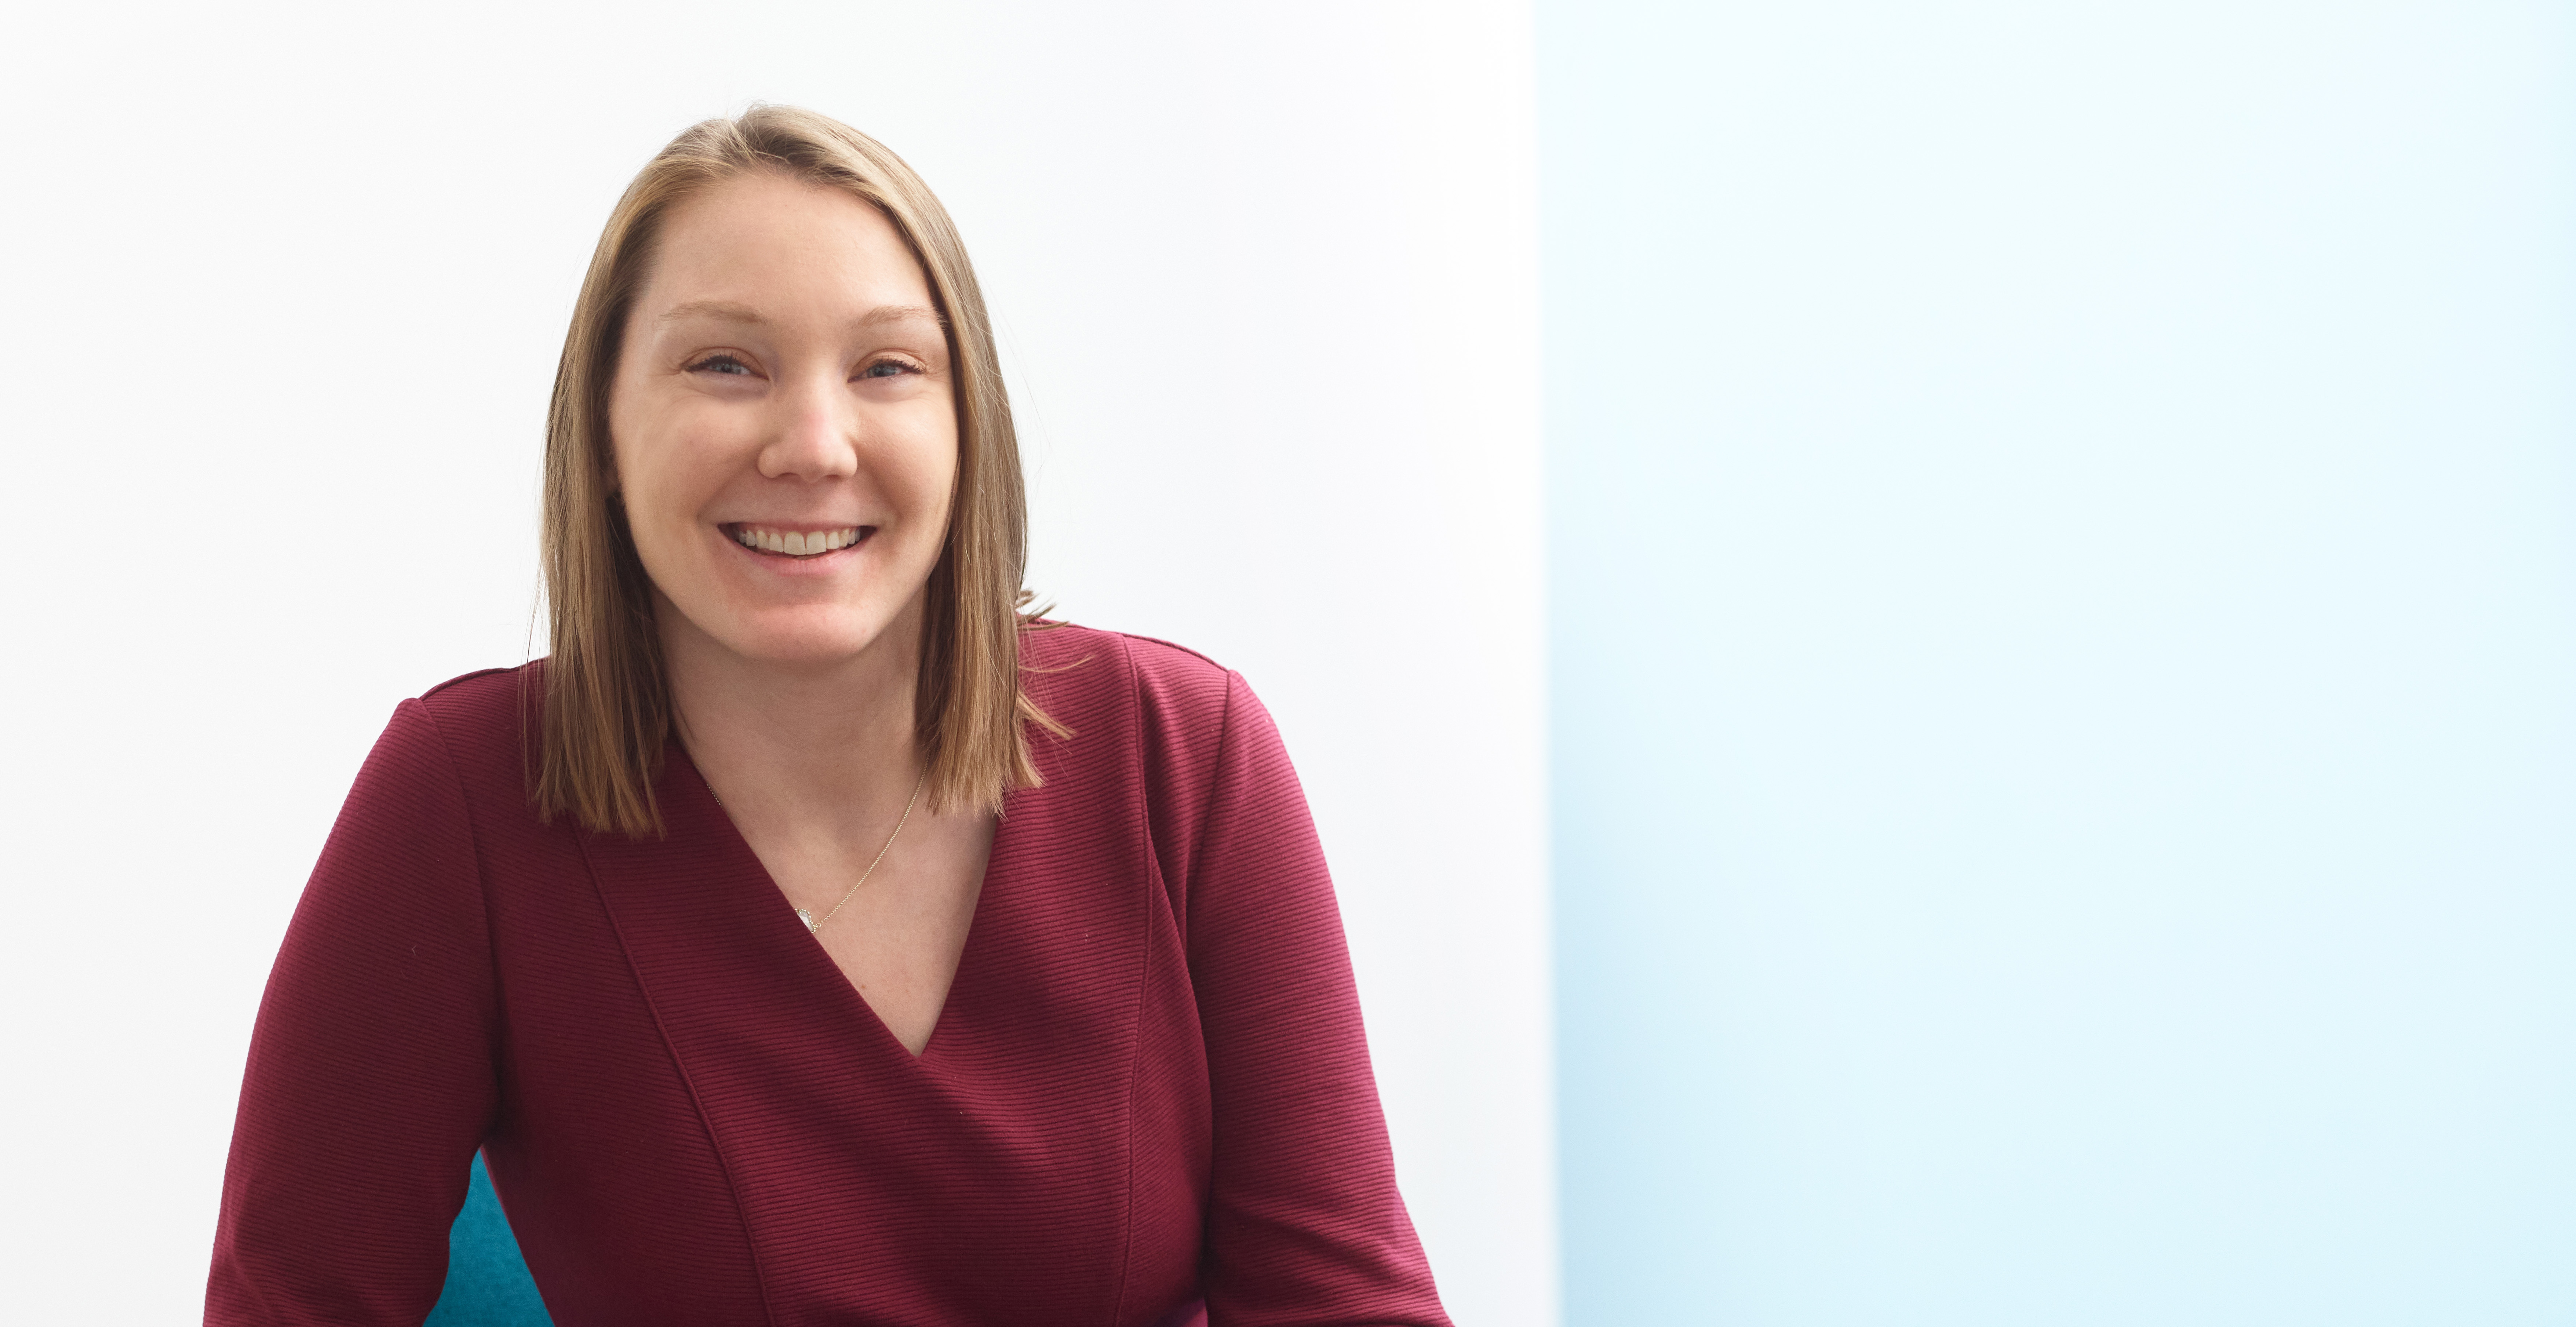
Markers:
point(371, 1074)
point(1304, 1224)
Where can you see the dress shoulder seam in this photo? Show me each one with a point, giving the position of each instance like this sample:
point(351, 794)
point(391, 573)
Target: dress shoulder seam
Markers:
point(465, 677)
point(1171, 645)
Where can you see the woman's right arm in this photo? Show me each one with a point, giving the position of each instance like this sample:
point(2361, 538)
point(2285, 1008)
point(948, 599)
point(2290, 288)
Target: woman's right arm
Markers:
point(371, 1079)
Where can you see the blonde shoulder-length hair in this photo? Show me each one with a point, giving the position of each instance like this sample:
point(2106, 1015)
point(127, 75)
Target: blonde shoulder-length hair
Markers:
point(607, 713)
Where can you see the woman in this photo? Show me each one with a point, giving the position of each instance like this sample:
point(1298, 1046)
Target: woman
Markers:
point(812, 937)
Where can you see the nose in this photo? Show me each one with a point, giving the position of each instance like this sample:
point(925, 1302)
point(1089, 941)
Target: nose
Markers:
point(815, 437)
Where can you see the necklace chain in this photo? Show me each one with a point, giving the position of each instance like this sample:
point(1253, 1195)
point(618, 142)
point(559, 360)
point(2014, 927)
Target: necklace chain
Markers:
point(814, 923)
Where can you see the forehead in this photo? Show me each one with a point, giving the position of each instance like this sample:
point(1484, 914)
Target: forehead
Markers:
point(783, 247)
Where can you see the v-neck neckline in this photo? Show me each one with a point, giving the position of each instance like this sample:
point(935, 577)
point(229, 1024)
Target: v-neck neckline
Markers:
point(820, 964)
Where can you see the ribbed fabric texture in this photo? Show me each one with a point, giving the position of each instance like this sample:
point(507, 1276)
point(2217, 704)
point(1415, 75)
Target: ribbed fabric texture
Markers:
point(1149, 1087)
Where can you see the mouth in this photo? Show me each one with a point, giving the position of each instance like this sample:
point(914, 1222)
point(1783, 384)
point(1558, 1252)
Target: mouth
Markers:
point(781, 541)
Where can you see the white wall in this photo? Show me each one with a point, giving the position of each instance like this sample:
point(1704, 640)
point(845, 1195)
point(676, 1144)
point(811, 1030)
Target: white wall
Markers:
point(285, 289)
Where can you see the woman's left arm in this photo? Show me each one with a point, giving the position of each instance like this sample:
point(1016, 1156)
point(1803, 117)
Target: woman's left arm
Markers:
point(1304, 1225)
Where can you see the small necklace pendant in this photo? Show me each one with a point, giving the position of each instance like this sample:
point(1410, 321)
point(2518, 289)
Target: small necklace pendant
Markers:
point(807, 918)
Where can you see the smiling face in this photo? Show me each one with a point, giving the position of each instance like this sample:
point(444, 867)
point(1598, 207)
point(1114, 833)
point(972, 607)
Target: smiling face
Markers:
point(784, 425)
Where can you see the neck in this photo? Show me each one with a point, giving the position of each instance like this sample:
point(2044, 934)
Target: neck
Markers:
point(810, 743)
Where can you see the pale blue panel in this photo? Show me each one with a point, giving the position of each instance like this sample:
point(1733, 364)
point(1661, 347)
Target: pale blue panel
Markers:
point(2063, 532)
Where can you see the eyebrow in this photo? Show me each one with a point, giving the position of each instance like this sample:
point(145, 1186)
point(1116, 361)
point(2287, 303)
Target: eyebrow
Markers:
point(729, 311)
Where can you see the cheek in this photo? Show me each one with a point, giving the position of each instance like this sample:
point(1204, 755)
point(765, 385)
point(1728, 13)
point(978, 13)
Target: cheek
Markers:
point(929, 471)
point(627, 468)
point(662, 481)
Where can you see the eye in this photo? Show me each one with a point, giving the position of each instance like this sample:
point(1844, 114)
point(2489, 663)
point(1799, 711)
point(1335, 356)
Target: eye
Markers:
point(721, 363)
point(887, 368)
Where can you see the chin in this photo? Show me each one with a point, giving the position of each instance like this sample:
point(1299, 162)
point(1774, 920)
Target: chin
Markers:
point(805, 638)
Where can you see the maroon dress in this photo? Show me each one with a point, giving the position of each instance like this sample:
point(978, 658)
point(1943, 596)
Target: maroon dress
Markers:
point(1149, 1086)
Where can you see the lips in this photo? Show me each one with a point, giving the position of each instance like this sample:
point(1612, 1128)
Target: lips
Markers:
point(797, 543)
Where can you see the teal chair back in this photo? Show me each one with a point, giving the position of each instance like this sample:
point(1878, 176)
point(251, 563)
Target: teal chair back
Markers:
point(487, 1280)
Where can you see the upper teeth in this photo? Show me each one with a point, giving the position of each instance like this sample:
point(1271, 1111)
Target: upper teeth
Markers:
point(796, 543)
